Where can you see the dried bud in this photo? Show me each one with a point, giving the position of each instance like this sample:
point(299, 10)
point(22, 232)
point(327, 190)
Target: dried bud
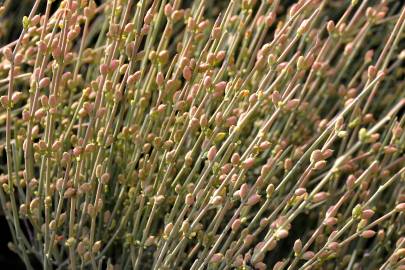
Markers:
point(105, 178)
point(96, 247)
point(168, 229)
point(269, 190)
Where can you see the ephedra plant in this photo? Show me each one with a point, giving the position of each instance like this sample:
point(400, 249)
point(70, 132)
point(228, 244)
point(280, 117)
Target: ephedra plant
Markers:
point(205, 134)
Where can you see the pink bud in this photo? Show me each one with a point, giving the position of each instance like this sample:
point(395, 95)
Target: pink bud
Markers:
point(189, 199)
point(25, 115)
point(128, 27)
point(103, 69)
point(216, 258)
point(168, 10)
point(320, 165)
point(187, 74)
point(4, 101)
point(334, 246)
point(8, 53)
point(39, 114)
point(236, 225)
point(260, 266)
point(220, 56)
point(254, 199)
point(279, 265)
point(300, 191)
point(44, 82)
point(220, 87)
point(235, 159)
point(16, 97)
point(327, 153)
point(77, 151)
point(264, 145)
point(148, 17)
point(160, 79)
point(18, 58)
point(330, 221)
point(319, 197)
point(248, 163)
point(371, 72)
point(243, 191)
point(308, 255)
point(231, 121)
point(368, 234)
point(134, 77)
point(276, 97)
point(400, 207)
point(236, 195)
point(281, 234)
point(168, 229)
point(145, 29)
point(297, 246)
point(248, 239)
point(350, 181)
point(292, 104)
point(217, 200)
point(367, 213)
point(42, 47)
point(212, 153)
point(207, 81)
point(114, 65)
point(226, 168)
point(316, 155)
point(238, 261)
point(56, 52)
point(270, 19)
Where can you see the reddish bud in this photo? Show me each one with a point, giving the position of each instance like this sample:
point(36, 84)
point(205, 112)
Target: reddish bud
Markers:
point(368, 234)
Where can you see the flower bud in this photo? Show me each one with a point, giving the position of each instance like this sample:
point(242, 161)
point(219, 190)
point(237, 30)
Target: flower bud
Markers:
point(308, 255)
point(189, 199)
point(368, 234)
point(248, 163)
point(216, 258)
point(254, 199)
point(236, 224)
point(212, 153)
point(367, 214)
point(297, 246)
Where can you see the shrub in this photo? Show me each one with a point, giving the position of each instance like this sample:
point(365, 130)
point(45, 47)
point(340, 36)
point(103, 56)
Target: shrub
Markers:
point(205, 134)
